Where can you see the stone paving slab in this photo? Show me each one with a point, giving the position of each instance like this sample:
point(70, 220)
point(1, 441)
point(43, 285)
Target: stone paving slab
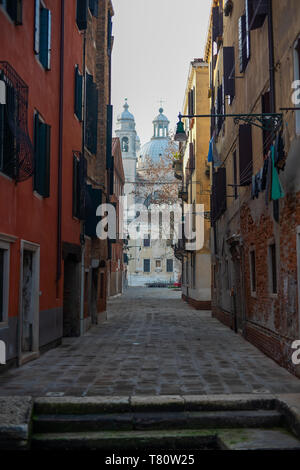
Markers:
point(15, 418)
point(152, 343)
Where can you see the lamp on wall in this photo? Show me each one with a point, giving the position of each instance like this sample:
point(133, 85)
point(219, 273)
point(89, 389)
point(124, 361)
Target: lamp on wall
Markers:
point(180, 135)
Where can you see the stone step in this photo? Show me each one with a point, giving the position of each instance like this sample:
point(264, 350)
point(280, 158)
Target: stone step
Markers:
point(221, 439)
point(100, 405)
point(60, 423)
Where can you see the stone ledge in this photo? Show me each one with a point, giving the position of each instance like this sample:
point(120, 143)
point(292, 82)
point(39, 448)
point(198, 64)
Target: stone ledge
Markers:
point(15, 418)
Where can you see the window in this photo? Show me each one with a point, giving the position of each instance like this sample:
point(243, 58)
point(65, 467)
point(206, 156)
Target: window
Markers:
point(42, 133)
point(158, 263)
point(79, 177)
point(91, 114)
point(273, 268)
point(243, 43)
point(8, 120)
point(219, 191)
point(42, 34)
point(253, 271)
point(109, 34)
point(82, 14)
point(93, 6)
point(78, 94)
point(125, 144)
point(4, 281)
point(14, 9)
point(147, 241)
point(169, 265)
point(146, 265)
point(229, 72)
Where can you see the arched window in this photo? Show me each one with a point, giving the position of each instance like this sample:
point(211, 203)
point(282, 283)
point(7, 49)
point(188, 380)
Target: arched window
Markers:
point(125, 144)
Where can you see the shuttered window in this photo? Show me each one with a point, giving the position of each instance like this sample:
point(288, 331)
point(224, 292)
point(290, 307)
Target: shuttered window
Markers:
point(191, 102)
point(42, 34)
point(229, 71)
point(8, 122)
point(256, 12)
point(78, 94)
point(82, 14)
point(93, 6)
point(14, 10)
point(219, 194)
point(109, 34)
point(169, 265)
point(42, 133)
point(217, 23)
point(245, 154)
point(146, 265)
point(243, 43)
point(109, 127)
point(93, 200)
point(91, 114)
point(79, 185)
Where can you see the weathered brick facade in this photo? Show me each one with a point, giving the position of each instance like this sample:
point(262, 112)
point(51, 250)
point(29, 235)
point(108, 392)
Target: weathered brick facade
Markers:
point(256, 292)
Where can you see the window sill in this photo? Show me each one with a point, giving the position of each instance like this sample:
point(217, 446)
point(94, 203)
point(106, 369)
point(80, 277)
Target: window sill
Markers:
point(9, 178)
point(4, 324)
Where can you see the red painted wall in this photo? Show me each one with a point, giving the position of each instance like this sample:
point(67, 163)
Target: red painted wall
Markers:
point(22, 213)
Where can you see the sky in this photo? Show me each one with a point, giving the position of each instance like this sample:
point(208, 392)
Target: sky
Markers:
point(154, 43)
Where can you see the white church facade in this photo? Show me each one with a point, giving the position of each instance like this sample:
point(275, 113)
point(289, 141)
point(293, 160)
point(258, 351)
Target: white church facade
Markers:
point(150, 260)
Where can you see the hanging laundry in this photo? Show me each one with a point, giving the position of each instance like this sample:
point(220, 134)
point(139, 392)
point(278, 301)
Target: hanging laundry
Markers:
point(210, 157)
point(277, 191)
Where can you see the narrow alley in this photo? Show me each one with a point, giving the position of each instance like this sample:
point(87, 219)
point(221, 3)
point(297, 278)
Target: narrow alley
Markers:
point(151, 343)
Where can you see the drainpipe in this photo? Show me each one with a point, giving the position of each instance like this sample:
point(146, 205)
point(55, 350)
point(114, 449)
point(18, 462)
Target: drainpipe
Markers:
point(82, 238)
point(60, 141)
point(271, 57)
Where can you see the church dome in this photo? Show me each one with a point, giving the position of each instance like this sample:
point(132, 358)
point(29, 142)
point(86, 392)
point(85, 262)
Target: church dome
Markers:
point(158, 145)
point(125, 115)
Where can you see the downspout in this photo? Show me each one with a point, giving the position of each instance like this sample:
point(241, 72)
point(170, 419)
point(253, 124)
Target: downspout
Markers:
point(271, 57)
point(60, 142)
point(82, 238)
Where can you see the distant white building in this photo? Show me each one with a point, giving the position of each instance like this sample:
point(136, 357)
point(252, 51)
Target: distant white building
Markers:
point(149, 260)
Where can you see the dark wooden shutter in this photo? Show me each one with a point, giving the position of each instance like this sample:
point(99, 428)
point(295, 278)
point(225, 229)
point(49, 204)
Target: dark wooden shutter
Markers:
point(256, 20)
point(14, 9)
point(91, 114)
point(93, 6)
point(82, 14)
point(242, 43)
point(219, 194)
point(147, 265)
point(245, 154)
point(229, 71)
point(93, 200)
point(169, 265)
point(78, 94)
point(37, 26)
point(42, 138)
point(215, 23)
point(45, 37)
point(76, 194)
point(109, 33)
point(109, 126)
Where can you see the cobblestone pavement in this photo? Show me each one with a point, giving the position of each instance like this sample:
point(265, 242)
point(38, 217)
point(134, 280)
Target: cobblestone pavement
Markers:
point(152, 343)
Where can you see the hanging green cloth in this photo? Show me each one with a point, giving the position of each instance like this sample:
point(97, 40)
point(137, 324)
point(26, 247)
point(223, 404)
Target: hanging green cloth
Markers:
point(277, 191)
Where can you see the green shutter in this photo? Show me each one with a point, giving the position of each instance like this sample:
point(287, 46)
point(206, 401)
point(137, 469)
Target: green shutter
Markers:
point(42, 157)
point(45, 37)
point(75, 186)
point(47, 147)
point(78, 94)
point(14, 9)
point(82, 14)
